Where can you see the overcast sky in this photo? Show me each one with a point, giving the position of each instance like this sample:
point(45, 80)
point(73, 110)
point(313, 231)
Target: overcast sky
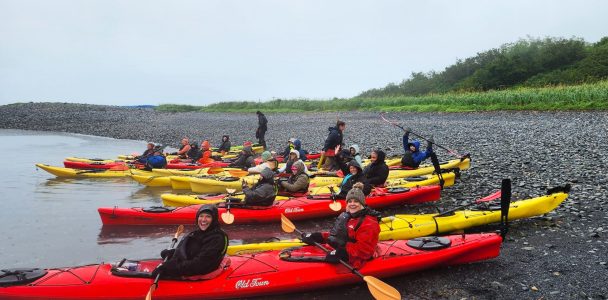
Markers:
point(131, 52)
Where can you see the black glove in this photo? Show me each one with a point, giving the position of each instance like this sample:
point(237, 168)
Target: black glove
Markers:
point(407, 130)
point(336, 255)
point(167, 253)
point(159, 269)
point(312, 238)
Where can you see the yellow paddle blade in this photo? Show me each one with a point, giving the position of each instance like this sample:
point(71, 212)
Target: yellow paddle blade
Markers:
point(335, 206)
point(150, 291)
point(380, 290)
point(179, 232)
point(228, 218)
point(287, 225)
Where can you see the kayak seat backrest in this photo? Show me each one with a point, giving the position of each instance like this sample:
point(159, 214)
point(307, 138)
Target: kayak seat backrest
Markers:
point(223, 266)
point(20, 276)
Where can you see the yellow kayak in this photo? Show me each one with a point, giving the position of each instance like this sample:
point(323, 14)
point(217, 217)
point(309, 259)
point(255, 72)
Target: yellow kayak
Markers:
point(80, 173)
point(176, 200)
point(449, 178)
point(412, 226)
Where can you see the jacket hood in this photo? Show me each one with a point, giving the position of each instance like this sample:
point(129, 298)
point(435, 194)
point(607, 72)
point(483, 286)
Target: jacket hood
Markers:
point(300, 166)
point(298, 144)
point(416, 145)
point(354, 163)
point(356, 147)
point(212, 210)
point(381, 156)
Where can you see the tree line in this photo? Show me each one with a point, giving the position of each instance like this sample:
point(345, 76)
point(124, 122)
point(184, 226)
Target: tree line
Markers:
point(531, 62)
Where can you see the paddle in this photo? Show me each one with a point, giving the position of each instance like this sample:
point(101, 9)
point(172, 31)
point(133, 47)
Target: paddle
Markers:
point(334, 205)
point(379, 289)
point(505, 201)
point(435, 162)
point(154, 285)
point(228, 217)
point(452, 152)
point(489, 198)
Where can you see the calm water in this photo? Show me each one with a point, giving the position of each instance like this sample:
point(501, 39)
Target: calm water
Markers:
point(53, 222)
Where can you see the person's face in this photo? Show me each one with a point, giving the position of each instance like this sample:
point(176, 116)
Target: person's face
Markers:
point(353, 206)
point(204, 221)
point(412, 148)
point(373, 156)
point(353, 170)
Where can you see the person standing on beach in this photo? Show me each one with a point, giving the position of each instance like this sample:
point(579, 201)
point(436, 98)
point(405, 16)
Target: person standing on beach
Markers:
point(262, 127)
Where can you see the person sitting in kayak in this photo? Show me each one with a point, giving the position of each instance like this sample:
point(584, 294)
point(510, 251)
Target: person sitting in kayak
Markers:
point(354, 153)
point(376, 172)
point(149, 151)
point(298, 182)
point(413, 156)
point(267, 162)
point(288, 148)
point(198, 253)
point(205, 153)
point(334, 139)
point(156, 161)
point(263, 192)
point(185, 147)
point(354, 176)
point(225, 146)
point(245, 159)
point(354, 236)
point(294, 156)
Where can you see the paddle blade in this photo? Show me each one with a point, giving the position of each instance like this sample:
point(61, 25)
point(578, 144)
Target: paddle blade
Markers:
point(287, 225)
point(505, 202)
point(381, 290)
point(150, 291)
point(179, 231)
point(335, 206)
point(228, 218)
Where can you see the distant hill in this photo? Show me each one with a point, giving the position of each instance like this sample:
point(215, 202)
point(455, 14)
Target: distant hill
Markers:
point(525, 63)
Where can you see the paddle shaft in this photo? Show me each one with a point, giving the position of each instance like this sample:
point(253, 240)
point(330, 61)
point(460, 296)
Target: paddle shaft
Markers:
point(347, 265)
point(438, 145)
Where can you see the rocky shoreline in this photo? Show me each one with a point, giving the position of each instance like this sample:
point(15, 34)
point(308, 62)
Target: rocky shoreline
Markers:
point(561, 255)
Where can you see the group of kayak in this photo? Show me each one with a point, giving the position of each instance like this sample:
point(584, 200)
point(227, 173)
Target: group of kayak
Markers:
point(407, 243)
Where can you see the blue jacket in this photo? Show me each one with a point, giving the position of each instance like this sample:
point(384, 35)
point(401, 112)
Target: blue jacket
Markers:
point(413, 159)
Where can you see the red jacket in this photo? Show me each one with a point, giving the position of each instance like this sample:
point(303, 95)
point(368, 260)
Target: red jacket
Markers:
point(362, 243)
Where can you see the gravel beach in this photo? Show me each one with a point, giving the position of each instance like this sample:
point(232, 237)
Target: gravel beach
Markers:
point(562, 255)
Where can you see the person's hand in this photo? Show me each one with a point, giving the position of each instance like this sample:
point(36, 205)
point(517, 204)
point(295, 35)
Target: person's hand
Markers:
point(159, 269)
point(336, 255)
point(167, 253)
point(312, 238)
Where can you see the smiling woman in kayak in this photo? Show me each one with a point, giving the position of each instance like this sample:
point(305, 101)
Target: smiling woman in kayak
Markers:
point(198, 253)
point(354, 236)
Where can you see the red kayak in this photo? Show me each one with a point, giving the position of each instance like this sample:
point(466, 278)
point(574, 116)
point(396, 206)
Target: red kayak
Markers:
point(271, 272)
point(95, 165)
point(297, 208)
point(183, 166)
